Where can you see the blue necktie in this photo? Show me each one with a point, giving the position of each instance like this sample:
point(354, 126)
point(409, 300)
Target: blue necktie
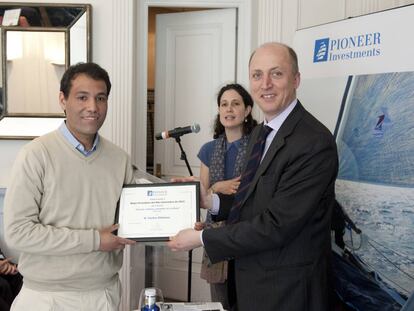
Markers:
point(248, 174)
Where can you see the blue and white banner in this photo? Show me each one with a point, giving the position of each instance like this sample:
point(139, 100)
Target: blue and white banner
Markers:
point(358, 78)
point(380, 42)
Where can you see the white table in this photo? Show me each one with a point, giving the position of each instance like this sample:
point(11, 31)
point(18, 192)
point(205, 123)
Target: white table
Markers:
point(192, 306)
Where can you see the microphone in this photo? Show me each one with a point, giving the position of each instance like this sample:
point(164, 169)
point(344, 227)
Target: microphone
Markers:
point(178, 131)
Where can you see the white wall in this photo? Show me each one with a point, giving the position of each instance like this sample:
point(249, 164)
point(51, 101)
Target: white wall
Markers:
point(8, 152)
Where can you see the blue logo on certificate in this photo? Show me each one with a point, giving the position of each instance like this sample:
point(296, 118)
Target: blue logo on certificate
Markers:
point(153, 193)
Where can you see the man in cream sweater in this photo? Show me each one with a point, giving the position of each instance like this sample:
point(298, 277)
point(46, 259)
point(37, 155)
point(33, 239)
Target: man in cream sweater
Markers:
point(60, 204)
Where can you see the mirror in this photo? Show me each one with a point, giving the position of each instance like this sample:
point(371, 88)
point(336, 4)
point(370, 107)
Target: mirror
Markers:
point(38, 43)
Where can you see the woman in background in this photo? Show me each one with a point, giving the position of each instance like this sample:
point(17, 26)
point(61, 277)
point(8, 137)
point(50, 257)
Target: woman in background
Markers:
point(222, 160)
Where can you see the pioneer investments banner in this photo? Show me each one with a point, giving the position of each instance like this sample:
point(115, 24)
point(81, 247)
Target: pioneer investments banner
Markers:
point(375, 43)
point(358, 78)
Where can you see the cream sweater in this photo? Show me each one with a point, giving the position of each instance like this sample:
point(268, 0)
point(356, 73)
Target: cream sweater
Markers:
point(56, 201)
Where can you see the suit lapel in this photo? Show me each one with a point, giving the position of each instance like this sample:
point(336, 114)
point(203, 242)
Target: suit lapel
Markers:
point(277, 143)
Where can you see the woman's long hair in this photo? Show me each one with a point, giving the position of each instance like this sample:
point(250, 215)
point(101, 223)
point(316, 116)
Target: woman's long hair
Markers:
point(249, 123)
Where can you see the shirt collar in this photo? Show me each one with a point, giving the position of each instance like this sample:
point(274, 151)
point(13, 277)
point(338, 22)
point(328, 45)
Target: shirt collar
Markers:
point(75, 143)
point(277, 121)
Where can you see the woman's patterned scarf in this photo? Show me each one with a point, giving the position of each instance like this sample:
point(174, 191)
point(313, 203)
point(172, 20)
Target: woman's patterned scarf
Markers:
point(216, 169)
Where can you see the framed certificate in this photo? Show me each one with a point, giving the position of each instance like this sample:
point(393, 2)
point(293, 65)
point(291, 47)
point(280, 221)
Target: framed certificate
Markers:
point(154, 212)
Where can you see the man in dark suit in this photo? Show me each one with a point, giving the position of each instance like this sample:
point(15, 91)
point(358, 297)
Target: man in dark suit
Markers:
point(279, 232)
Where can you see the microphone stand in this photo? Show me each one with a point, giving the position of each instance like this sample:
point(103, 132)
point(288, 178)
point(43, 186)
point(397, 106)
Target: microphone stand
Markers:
point(183, 155)
point(190, 253)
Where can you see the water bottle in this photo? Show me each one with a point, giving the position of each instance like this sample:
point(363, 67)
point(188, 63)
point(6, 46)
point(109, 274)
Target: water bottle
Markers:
point(149, 305)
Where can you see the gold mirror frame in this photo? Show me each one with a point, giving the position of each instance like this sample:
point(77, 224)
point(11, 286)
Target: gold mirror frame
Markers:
point(19, 120)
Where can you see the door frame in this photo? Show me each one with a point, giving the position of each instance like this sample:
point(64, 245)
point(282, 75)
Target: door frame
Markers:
point(243, 50)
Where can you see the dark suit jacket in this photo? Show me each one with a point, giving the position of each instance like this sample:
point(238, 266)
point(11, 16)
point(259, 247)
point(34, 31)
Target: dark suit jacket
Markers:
point(281, 246)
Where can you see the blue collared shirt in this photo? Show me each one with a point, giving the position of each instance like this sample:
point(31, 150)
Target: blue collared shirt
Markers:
point(75, 143)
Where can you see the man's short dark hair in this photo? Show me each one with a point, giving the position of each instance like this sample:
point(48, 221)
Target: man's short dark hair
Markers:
point(92, 70)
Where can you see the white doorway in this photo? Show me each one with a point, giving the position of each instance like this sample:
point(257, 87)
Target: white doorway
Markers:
point(243, 49)
point(174, 282)
point(195, 56)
